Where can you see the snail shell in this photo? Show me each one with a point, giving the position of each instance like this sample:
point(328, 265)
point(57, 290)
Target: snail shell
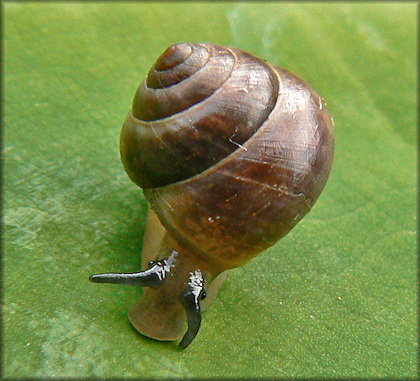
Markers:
point(231, 153)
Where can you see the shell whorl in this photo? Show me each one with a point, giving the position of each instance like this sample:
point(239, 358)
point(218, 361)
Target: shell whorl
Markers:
point(198, 104)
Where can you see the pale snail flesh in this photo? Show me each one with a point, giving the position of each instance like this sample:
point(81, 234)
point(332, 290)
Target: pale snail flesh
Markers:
point(231, 153)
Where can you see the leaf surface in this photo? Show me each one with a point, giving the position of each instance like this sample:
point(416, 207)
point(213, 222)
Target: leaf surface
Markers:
point(335, 298)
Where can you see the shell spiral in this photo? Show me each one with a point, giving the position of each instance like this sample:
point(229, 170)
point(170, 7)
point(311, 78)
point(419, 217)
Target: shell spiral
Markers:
point(231, 152)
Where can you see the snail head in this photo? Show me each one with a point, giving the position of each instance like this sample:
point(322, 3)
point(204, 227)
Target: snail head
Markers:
point(161, 275)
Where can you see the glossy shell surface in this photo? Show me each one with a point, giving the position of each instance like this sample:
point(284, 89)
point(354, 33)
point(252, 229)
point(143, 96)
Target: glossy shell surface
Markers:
point(240, 161)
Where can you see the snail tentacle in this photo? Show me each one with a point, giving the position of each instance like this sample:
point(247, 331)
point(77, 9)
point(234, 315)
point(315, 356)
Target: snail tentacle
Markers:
point(151, 277)
point(191, 303)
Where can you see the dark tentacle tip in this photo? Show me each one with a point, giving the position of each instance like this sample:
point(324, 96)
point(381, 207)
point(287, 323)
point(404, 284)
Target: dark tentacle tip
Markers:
point(191, 303)
point(186, 341)
point(194, 323)
point(104, 278)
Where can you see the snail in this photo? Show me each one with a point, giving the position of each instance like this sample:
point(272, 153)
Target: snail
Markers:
point(231, 152)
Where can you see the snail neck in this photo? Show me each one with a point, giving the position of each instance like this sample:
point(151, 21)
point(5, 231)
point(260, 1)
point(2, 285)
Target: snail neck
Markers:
point(180, 262)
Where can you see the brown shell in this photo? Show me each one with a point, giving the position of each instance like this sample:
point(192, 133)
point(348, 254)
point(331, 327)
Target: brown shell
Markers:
point(179, 131)
point(234, 168)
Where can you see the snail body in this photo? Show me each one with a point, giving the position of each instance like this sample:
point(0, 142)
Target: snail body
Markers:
point(231, 153)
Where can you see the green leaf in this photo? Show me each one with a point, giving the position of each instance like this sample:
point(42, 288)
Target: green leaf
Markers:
point(335, 298)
